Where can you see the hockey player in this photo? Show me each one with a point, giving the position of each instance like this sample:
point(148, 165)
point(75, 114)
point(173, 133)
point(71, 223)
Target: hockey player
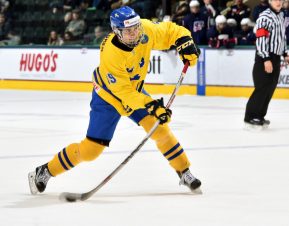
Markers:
point(118, 91)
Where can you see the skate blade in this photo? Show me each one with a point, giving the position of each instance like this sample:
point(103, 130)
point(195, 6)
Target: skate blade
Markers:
point(32, 186)
point(197, 191)
point(254, 128)
point(265, 126)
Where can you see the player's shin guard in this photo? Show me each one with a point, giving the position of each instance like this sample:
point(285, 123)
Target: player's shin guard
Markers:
point(167, 144)
point(73, 154)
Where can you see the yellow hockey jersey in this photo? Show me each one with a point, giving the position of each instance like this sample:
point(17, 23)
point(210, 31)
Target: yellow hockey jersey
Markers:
point(122, 71)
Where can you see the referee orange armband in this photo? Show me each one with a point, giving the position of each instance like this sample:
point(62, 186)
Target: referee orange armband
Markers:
point(262, 32)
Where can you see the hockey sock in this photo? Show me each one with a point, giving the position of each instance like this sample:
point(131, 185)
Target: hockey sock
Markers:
point(73, 154)
point(167, 144)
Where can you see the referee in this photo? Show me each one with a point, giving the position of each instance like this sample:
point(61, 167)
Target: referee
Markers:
point(270, 46)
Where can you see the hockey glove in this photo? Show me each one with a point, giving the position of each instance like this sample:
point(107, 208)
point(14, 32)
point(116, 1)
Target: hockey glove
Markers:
point(157, 109)
point(187, 49)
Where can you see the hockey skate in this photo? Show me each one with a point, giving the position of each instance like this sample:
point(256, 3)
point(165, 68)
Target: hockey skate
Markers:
point(187, 179)
point(38, 179)
point(256, 124)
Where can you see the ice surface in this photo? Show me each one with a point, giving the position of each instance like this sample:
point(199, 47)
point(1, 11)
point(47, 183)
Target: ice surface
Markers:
point(245, 174)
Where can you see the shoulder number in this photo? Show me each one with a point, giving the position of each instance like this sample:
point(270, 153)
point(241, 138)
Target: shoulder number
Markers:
point(111, 78)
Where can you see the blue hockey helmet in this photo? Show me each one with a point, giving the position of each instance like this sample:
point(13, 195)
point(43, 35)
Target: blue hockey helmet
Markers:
point(124, 18)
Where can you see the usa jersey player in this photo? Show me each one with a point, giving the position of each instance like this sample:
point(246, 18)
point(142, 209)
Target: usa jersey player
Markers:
point(118, 91)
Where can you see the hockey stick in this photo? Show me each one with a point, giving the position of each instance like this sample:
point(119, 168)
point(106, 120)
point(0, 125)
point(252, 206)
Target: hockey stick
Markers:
point(72, 197)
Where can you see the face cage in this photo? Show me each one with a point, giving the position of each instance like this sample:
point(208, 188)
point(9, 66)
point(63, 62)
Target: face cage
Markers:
point(118, 32)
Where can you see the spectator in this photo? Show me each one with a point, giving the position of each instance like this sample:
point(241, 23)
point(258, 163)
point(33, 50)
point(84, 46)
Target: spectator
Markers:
point(220, 35)
point(210, 11)
point(76, 26)
point(68, 38)
point(12, 39)
point(246, 35)
point(55, 4)
point(286, 15)
point(232, 24)
point(259, 9)
point(239, 11)
point(5, 9)
point(99, 33)
point(196, 22)
point(84, 5)
point(160, 13)
point(4, 5)
point(96, 37)
point(67, 18)
point(4, 27)
point(181, 9)
point(54, 39)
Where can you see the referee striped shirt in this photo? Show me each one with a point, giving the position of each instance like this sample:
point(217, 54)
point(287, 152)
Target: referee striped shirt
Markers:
point(270, 34)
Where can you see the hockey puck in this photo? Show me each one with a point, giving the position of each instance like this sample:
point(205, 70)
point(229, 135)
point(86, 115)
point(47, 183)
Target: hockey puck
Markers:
point(68, 197)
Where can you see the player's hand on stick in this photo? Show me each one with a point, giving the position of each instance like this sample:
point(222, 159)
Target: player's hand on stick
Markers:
point(157, 109)
point(187, 49)
point(268, 66)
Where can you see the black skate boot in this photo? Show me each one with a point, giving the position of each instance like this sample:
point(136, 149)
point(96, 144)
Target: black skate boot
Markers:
point(189, 180)
point(38, 179)
point(254, 124)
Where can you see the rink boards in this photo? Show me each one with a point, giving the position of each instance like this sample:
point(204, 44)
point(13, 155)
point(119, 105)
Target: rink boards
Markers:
point(218, 73)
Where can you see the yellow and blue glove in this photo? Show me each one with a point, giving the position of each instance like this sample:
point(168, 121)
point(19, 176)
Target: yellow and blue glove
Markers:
point(157, 109)
point(188, 51)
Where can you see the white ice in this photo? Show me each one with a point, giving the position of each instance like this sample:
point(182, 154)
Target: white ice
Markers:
point(245, 174)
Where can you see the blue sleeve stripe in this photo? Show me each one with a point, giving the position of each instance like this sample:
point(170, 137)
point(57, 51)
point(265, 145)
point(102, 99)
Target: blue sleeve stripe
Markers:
point(66, 158)
point(61, 161)
point(176, 155)
point(172, 149)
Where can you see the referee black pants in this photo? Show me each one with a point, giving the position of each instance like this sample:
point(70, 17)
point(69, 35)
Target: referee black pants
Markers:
point(265, 85)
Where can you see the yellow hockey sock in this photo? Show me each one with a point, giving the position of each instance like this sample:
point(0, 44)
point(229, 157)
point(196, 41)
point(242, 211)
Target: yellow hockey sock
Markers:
point(167, 144)
point(73, 154)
